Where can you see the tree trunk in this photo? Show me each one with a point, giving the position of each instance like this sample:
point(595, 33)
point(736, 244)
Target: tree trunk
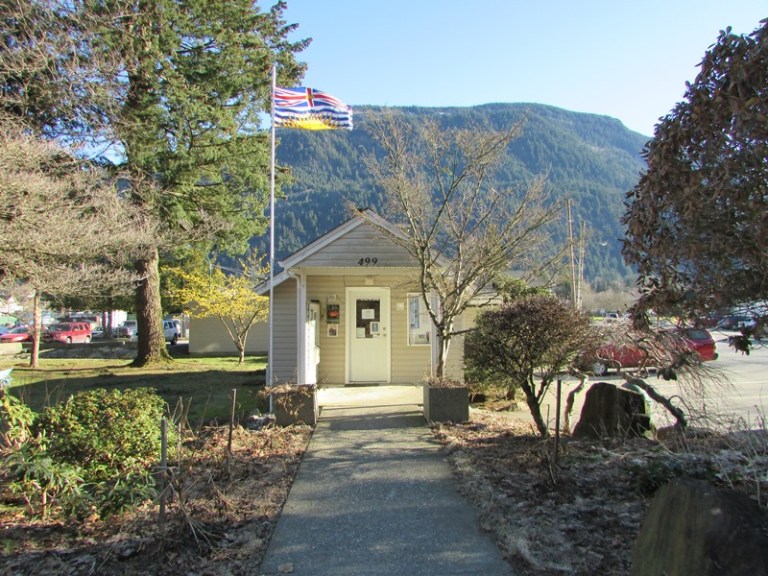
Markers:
point(149, 313)
point(682, 421)
point(443, 344)
point(37, 331)
point(535, 409)
point(571, 400)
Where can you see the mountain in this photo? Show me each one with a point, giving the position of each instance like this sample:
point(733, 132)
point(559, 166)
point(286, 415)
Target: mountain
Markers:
point(593, 159)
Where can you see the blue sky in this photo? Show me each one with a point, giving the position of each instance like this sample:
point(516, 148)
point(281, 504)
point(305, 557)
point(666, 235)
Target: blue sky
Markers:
point(628, 60)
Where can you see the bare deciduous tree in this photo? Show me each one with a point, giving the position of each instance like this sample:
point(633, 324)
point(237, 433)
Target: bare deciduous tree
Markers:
point(462, 224)
point(48, 80)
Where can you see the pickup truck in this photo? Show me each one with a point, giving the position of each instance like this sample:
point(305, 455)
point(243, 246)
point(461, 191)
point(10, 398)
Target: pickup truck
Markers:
point(128, 329)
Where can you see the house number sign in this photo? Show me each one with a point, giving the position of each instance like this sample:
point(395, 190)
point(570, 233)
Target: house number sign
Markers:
point(368, 261)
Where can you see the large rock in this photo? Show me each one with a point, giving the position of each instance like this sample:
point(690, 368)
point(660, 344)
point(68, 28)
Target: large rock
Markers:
point(694, 529)
point(610, 411)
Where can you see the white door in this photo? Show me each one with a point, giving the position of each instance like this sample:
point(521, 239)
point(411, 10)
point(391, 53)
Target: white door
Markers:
point(312, 342)
point(368, 348)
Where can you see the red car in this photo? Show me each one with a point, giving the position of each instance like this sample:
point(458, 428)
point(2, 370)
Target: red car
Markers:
point(615, 357)
point(18, 334)
point(68, 332)
point(701, 341)
point(625, 356)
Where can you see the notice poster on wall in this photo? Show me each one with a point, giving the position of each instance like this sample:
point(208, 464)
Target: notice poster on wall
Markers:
point(367, 317)
point(332, 313)
point(419, 323)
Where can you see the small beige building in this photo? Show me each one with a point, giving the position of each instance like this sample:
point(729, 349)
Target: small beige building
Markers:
point(208, 337)
point(347, 310)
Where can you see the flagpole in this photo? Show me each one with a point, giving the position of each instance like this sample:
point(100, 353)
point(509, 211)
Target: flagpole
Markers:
point(271, 357)
point(299, 109)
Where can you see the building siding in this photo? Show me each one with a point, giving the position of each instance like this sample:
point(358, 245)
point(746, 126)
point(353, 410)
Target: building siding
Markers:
point(352, 249)
point(410, 364)
point(454, 365)
point(285, 333)
point(207, 337)
point(362, 257)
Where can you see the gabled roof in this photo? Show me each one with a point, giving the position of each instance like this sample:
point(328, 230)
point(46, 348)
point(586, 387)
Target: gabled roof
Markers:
point(363, 217)
point(263, 288)
point(323, 241)
point(341, 230)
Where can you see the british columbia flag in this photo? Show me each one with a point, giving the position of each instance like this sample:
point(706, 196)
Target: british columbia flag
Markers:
point(310, 109)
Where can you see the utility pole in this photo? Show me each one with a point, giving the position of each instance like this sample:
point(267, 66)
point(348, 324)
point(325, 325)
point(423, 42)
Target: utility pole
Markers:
point(582, 254)
point(577, 266)
point(573, 255)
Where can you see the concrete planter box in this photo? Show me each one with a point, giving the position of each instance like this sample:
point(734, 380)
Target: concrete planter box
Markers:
point(449, 404)
point(295, 405)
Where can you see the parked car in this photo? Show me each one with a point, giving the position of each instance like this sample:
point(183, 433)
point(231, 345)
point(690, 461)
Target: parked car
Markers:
point(700, 341)
point(90, 319)
point(735, 322)
point(68, 333)
point(172, 330)
point(630, 356)
point(128, 329)
point(18, 334)
point(613, 357)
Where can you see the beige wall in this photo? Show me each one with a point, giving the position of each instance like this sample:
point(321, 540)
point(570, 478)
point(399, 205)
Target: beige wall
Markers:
point(285, 332)
point(410, 364)
point(455, 366)
point(364, 241)
point(207, 336)
point(360, 257)
point(339, 265)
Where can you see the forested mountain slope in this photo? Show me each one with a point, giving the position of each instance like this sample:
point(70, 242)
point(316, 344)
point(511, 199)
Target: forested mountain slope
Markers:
point(594, 159)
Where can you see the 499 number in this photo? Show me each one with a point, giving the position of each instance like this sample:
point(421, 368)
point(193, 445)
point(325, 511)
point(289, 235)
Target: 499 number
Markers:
point(367, 261)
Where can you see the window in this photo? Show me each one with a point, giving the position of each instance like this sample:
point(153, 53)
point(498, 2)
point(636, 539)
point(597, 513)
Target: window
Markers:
point(419, 323)
point(367, 318)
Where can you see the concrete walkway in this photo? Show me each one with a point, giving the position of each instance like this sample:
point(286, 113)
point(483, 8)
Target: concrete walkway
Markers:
point(374, 496)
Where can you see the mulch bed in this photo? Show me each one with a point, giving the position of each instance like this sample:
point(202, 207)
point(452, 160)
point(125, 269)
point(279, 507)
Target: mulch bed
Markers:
point(578, 514)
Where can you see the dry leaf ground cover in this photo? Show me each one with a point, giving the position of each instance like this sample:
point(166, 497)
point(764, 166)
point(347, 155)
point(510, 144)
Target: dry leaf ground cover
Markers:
point(221, 510)
point(578, 515)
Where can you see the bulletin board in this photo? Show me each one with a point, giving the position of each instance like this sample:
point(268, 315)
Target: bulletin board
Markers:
point(419, 322)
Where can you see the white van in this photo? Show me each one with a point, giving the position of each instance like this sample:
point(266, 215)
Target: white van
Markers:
point(172, 330)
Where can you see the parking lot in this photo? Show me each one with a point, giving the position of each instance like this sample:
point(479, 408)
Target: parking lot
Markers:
point(734, 391)
point(746, 395)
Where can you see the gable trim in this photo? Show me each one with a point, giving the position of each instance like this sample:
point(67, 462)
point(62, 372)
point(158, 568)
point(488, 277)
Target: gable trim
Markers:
point(356, 221)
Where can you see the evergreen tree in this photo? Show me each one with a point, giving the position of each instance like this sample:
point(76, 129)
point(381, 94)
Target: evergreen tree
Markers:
point(177, 87)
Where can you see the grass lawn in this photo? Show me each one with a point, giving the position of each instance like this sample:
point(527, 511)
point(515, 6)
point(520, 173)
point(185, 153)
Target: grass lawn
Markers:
point(199, 388)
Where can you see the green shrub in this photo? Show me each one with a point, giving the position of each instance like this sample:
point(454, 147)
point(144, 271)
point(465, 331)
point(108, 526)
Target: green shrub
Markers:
point(43, 483)
point(16, 418)
point(486, 381)
point(113, 438)
point(526, 344)
point(104, 430)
